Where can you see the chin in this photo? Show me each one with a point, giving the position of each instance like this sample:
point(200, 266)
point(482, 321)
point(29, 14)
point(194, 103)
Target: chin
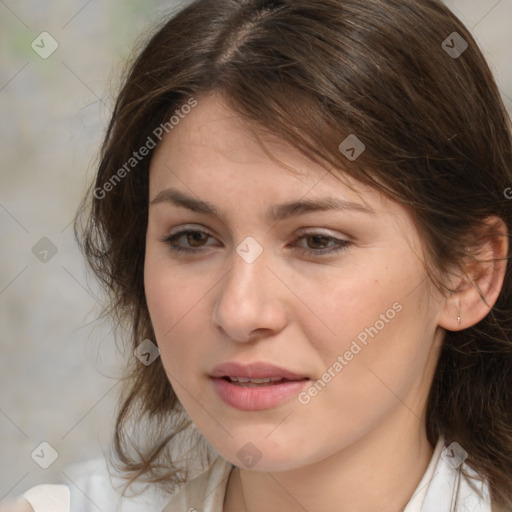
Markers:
point(260, 455)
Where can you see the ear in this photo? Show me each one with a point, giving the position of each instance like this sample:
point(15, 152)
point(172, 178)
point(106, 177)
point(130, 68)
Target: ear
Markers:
point(477, 285)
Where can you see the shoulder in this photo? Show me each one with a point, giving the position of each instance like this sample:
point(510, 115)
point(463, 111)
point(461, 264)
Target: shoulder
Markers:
point(39, 498)
point(204, 492)
point(91, 487)
point(94, 486)
point(18, 505)
point(88, 487)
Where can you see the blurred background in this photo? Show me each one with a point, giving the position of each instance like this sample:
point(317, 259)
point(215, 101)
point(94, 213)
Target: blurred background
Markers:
point(59, 73)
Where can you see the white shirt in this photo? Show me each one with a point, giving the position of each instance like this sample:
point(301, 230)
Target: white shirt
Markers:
point(443, 488)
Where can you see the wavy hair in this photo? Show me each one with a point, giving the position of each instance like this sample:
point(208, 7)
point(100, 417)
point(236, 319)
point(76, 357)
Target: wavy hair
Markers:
point(438, 141)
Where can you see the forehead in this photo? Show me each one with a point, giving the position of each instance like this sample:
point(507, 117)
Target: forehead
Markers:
point(214, 150)
point(214, 132)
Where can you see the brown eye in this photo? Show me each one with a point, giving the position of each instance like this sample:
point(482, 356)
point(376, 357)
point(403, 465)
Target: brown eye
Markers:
point(195, 239)
point(317, 244)
point(318, 240)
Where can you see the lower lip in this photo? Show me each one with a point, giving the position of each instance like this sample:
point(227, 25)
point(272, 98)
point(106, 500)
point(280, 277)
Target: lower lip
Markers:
point(257, 398)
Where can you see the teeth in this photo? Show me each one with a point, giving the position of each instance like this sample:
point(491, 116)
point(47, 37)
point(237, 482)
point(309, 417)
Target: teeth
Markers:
point(255, 381)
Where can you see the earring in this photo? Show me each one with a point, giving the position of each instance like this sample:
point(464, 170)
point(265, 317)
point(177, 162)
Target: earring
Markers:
point(458, 316)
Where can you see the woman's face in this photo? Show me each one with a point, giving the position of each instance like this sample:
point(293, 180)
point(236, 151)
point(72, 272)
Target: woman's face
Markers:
point(338, 296)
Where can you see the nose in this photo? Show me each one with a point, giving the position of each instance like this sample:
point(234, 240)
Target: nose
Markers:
point(250, 302)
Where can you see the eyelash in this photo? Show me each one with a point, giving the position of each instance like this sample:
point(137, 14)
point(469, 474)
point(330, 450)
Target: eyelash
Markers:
point(341, 244)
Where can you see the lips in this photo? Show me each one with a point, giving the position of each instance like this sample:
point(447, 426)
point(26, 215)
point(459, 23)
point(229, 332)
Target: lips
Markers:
point(256, 386)
point(259, 371)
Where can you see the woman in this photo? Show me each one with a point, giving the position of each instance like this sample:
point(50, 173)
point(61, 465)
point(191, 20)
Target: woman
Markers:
point(303, 205)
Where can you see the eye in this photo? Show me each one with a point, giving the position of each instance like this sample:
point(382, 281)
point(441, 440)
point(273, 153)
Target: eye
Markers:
point(319, 241)
point(193, 237)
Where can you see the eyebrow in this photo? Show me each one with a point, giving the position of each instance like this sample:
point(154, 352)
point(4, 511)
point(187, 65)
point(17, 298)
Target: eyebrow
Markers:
point(275, 213)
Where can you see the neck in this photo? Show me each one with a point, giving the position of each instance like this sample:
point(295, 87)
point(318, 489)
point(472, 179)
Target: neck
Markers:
point(379, 471)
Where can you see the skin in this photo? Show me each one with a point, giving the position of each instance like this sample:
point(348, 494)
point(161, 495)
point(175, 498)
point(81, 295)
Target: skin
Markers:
point(360, 444)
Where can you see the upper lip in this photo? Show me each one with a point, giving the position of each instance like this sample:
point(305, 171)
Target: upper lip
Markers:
point(257, 370)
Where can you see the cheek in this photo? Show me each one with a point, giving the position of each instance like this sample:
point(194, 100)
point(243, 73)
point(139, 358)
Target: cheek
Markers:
point(348, 306)
point(176, 301)
point(376, 341)
point(170, 292)
point(378, 359)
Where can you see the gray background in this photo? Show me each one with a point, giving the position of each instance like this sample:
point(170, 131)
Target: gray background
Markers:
point(58, 365)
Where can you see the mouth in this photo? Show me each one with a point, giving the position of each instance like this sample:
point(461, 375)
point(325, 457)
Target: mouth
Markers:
point(247, 382)
point(257, 393)
point(257, 373)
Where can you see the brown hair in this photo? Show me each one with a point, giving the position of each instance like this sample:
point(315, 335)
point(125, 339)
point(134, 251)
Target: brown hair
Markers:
point(437, 139)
